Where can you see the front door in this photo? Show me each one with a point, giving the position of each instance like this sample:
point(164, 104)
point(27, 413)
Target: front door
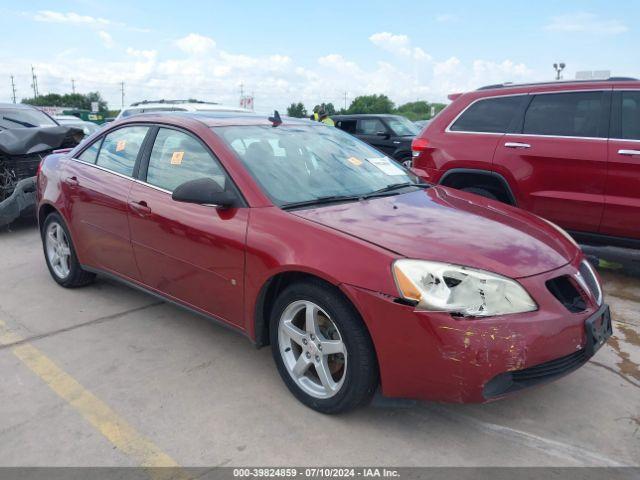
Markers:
point(192, 253)
point(375, 132)
point(622, 196)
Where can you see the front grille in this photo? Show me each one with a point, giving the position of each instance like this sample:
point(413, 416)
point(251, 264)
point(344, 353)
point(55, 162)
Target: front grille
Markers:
point(589, 277)
point(509, 382)
point(567, 294)
point(15, 168)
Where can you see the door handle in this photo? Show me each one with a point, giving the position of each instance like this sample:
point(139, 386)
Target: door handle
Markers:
point(517, 145)
point(72, 181)
point(629, 152)
point(141, 207)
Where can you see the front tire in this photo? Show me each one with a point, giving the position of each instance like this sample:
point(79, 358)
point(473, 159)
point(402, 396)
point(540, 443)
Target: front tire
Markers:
point(60, 254)
point(322, 349)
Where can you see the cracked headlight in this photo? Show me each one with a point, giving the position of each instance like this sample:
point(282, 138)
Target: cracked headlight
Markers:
point(459, 290)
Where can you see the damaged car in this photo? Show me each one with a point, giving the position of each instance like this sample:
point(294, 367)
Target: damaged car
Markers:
point(27, 135)
point(302, 237)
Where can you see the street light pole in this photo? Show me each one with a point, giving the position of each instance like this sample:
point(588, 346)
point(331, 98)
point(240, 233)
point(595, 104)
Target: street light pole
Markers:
point(559, 67)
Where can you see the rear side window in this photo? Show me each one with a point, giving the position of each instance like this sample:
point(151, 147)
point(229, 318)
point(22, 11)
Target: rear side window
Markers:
point(120, 149)
point(491, 115)
point(630, 115)
point(91, 153)
point(578, 114)
point(177, 158)
point(348, 126)
point(370, 126)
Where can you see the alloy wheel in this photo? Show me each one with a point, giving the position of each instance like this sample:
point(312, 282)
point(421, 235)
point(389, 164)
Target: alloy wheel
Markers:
point(58, 250)
point(312, 349)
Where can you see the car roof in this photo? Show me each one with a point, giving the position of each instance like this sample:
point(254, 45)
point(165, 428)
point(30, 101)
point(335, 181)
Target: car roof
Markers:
point(185, 105)
point(363, 115)
point(20, 106)
point(216, 119)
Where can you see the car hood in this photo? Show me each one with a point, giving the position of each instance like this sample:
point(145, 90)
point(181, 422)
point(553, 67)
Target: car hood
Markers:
point(447, 225)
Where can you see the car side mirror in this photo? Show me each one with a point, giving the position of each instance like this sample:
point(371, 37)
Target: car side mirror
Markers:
point(204, 191)
point(383, 134)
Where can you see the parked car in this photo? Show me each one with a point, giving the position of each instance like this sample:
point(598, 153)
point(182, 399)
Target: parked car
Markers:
point(421, 123)
point(301, 236)
point(391, 134)
point(567, 151)
point(87, 127)
point(148, 106)
point(26, 136)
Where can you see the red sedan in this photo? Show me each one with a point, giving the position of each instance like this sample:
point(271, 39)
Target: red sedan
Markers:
point(303, 237)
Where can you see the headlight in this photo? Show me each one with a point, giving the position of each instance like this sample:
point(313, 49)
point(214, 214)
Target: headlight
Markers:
point(443, 287)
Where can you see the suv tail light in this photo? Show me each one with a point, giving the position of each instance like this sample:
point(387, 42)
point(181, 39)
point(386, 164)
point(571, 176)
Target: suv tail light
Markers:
point(419, 145)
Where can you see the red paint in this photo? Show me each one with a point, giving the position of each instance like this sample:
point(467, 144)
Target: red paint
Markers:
point(217, 262)
point(582, 184)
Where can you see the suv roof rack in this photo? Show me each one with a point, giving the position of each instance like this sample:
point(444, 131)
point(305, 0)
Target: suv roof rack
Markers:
point(511, 84)
point(171, 102)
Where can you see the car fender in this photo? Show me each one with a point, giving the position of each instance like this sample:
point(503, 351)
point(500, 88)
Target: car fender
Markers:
point(486, 173)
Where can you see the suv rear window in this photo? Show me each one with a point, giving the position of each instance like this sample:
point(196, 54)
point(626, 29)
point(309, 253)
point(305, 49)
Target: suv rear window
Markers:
point(631, 115)
point(578, 114)
point(490, 115)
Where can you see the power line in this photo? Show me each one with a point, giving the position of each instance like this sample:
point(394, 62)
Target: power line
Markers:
point(13, 90)
point(34, 82)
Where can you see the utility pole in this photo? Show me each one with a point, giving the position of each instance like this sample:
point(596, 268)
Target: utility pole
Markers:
point(241, 90)
point(13, 90)
point(73, 86)
point(34, 82)
point(345, 100)
point(122, 94)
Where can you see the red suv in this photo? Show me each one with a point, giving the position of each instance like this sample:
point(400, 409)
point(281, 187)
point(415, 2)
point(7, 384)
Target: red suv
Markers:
point(567, 151)
point(301, 236)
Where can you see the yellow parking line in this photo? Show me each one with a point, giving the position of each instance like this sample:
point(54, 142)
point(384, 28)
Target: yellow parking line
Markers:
point(95, 411)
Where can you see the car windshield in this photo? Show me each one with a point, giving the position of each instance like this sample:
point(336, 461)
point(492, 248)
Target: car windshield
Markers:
point(24, 118)
point(401, 126)
point(295, 164)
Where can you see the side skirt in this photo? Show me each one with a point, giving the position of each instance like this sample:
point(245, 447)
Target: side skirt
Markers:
point(165, 298)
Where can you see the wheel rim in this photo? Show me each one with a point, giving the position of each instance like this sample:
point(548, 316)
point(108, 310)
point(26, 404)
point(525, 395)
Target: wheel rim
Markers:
point(312, 349)
point(408, 163)
point(58, 250)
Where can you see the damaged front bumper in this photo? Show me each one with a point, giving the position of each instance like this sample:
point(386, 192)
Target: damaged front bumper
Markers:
point(21, 202)
point(434, 356)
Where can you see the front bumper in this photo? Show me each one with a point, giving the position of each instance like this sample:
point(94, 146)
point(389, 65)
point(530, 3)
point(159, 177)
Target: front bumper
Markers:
point(434, 356)
point(21, 201)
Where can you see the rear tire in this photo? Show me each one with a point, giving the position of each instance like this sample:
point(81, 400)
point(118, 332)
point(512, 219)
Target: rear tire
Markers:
point(60, 254)
point(301, 349)
point(483, 192)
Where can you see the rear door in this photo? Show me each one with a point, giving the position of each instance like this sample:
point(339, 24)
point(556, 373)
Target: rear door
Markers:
point(97, 184)
point(558, 162)
point(622, 196)
point(373, 131)
point(193, 253)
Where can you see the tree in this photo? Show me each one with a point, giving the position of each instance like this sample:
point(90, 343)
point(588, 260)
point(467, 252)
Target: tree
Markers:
point(371, 104)
point(68, 100)
point(419, 110)
point(297, 110)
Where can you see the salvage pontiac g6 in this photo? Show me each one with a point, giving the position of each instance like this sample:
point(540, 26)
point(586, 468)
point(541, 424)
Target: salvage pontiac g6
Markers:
point(300, 236)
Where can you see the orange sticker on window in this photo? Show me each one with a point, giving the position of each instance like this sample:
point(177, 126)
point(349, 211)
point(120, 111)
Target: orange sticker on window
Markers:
point(121, 145)
point(176, 158)
point(355, 161)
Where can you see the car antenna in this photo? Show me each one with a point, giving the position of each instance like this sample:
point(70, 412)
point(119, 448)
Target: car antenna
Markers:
point(275, 120)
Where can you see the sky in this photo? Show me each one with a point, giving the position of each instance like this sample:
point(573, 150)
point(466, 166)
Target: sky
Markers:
point(309, 51)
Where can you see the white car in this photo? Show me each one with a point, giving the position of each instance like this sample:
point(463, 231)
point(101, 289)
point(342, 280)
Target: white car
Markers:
point(176, 106)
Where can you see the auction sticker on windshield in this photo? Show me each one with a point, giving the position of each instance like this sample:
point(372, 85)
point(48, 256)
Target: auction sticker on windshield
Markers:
point(386, 165)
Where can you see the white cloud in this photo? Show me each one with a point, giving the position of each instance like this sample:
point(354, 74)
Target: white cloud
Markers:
point(70, 17)
point(107, 39)
point(586, 23)
point(398, 45)
point(195, 44)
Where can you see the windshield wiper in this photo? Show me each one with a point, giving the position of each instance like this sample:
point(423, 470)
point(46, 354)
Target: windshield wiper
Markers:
point(391, 188)
point(320, 201)
point(19, 122)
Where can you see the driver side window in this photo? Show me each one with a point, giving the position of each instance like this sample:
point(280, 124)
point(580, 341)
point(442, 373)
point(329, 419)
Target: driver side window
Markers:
point(370, 126)
point(177, 157)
